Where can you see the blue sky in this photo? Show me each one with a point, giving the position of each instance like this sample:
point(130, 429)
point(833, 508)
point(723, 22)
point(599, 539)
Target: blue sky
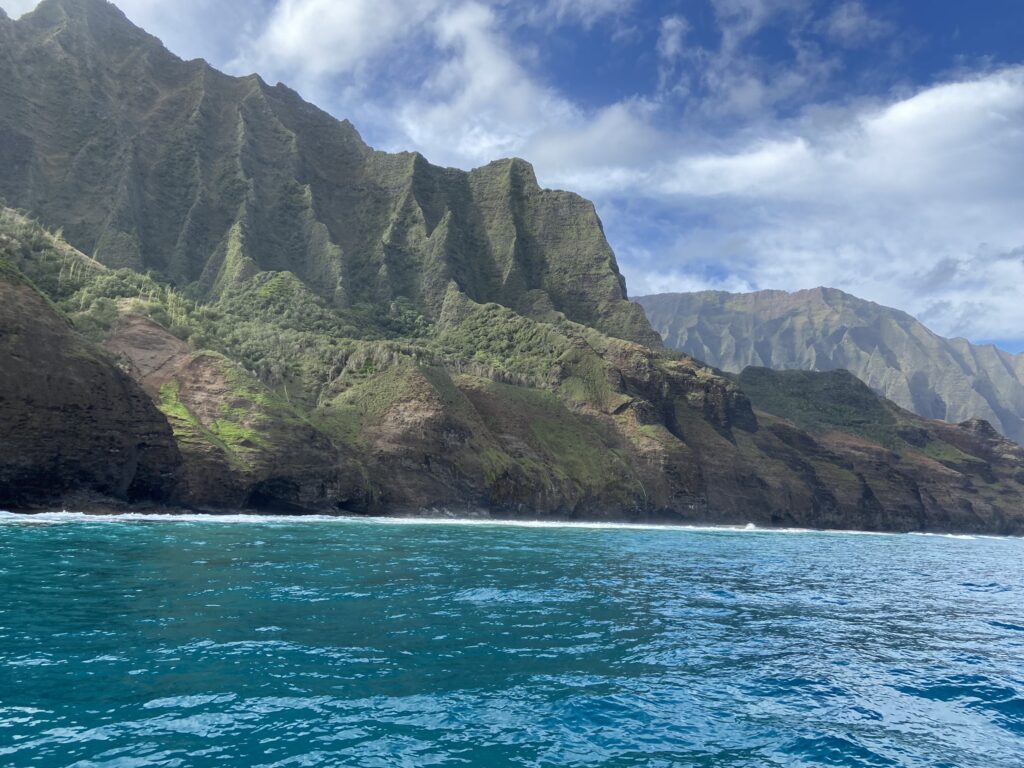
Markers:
point(871, 145)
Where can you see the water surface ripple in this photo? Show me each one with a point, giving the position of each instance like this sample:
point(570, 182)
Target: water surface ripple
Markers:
point(328, 643)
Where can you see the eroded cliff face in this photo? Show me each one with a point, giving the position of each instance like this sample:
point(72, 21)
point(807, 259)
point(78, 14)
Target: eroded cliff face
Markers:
point(901, 471)
point(488, 412)
point(70, 420)
point(243, 447)
point(158, 164)
point(327, 328)
point(825, 329)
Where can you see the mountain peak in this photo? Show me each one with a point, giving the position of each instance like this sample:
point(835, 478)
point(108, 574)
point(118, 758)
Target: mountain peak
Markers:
point(78, 8)
point(516, 168)
point(821, 329)
point(101, 19)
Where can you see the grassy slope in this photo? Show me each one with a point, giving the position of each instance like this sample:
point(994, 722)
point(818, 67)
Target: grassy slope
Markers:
point(839, 401)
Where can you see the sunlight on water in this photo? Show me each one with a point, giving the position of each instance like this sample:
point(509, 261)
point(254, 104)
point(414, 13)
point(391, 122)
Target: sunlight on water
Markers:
point(199, 641)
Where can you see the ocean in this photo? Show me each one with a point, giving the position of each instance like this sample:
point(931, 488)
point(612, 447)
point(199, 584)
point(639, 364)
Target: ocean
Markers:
point(242, 641)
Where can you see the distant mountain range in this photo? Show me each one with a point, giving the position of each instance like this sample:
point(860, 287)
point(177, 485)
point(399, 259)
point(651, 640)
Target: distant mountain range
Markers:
point(824, 329)
point(214, 295)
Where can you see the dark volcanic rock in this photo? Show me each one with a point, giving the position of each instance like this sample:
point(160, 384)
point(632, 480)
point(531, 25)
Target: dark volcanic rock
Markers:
point(243, 448)
point(878, 466)
point(69, 418)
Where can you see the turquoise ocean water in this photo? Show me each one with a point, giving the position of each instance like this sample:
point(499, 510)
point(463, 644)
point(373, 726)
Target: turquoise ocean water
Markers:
point(215, 642)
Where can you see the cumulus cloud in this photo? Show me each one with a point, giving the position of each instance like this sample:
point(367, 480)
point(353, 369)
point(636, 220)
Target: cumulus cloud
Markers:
point(462, 93)
point(480, 103)
point(603, 152)
point(851, 25)
point(311, 39)
point(914, 203)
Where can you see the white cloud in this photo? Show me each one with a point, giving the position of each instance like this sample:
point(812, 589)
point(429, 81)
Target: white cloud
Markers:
point(740, 20)
point(933, 145)
point(312, 39)
point(600, 153)
point(670, 48)
point(852, 26)
point(733, 78)
point(462, 92)
point(915, 204)
point(768, 168)
point(480, 103)
point(670, 39)
point(585, 12)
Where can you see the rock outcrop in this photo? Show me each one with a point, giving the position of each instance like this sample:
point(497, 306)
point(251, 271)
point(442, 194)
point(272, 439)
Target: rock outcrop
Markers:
point(243, 447)
point(906, 472)
point(70, 420)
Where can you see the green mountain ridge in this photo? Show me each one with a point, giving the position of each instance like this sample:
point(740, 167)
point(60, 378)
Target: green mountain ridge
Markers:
point(325, 327)
point(156, 164)
point(825, 329)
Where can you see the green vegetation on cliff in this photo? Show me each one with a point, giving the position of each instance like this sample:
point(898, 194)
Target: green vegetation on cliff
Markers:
point(173, 169)
point(279, 400)
point(327, 327)
point(818, 402)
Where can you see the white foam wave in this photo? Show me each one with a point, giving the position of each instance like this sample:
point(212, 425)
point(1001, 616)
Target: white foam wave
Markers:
point(250, 519)
point(65, 517)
